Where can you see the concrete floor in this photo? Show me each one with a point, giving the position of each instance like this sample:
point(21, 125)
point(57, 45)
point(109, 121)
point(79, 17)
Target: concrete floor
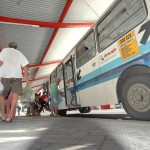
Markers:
point(99, 130)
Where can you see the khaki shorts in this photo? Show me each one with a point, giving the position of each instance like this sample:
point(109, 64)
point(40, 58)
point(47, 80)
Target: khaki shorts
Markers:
point(15, 84)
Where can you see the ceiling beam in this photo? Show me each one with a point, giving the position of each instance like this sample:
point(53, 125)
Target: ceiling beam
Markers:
point(37, 85)
point(64, 13)
point(44, 24)
point(35, 79)
point(43, 64)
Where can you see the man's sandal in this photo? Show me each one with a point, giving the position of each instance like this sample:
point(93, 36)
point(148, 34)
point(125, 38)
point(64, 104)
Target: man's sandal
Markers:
point(8, 120)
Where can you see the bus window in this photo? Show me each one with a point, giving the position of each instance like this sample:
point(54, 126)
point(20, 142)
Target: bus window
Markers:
point(85, 50)
point(68, 71)
point(60, 72)
point(126, 15)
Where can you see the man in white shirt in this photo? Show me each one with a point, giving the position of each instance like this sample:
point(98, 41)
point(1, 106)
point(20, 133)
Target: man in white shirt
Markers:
point(12, 62)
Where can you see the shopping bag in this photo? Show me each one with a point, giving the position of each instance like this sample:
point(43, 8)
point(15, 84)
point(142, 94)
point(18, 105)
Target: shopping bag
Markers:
point(28, 95)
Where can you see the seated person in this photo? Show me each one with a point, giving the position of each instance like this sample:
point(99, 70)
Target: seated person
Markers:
point(33, 108)
point(36, 105)
point(43, 101)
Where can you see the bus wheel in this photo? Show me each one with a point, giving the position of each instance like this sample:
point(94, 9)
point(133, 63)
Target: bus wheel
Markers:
point(62, 112)
point(84, 109)
point(136, 97)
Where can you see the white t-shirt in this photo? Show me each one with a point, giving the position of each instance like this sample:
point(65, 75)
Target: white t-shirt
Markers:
point(13, 60)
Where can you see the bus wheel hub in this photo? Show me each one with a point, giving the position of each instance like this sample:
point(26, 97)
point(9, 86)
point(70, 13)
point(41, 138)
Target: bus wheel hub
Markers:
point(139, 97)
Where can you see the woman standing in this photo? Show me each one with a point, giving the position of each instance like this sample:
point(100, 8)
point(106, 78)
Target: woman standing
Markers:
point(55, 96)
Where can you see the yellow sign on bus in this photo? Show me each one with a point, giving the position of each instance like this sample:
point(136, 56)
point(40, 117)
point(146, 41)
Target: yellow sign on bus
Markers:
point(128, 46)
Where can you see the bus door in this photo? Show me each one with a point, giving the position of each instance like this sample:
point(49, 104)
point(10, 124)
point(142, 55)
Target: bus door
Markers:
point(88, 80)
point(69, 81)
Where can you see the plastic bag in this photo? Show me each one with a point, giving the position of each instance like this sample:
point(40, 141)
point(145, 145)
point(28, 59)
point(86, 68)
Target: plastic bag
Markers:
point(1, 87)
point(28, 95)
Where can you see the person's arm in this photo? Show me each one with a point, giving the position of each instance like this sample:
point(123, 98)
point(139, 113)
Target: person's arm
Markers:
point(25, 69)
point(46, 99)
point(61, 93)
point(1, 62)
point(24, 64)
point(2, 56)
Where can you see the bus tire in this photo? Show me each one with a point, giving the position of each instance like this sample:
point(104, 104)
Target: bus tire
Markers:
point(84, 109)
point(135, 97)
point(62, 112)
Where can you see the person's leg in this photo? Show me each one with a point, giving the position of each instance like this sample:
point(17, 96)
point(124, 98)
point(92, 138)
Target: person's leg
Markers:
point(52, 108)
point(32, 111)
point(13, 106)
point(41, 107)
point(71, 105)
point(47, 104)
point(2, 108)
point(16, 88)
point(28, 111)
point(35, 111)
point(19, 109)
point(44, 107)
point(5, 103)
point(53, 104)
point(6, 85)
point(56, 111)
point(56, 107)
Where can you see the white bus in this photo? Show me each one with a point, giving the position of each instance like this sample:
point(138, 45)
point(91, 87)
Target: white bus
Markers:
point(111, 63)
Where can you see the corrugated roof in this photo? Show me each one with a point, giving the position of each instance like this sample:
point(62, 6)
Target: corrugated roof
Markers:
point(43, 10)
point(41, 44)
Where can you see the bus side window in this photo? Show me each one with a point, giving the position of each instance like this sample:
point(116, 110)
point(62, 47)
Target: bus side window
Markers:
point(86, 50)
point(125, 16)
point(60, 72)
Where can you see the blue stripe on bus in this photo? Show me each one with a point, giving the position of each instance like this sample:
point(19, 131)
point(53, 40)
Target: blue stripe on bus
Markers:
point(96, 77)
point(109, 76)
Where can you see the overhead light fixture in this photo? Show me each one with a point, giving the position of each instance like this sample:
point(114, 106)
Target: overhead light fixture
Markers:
point(37, 26)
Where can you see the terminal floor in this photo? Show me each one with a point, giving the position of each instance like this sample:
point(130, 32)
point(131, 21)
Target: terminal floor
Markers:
point(99, 130)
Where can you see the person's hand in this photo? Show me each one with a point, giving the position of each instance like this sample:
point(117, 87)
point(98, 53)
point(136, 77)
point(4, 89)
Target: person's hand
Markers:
point(27, 81)
point(62, 94)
